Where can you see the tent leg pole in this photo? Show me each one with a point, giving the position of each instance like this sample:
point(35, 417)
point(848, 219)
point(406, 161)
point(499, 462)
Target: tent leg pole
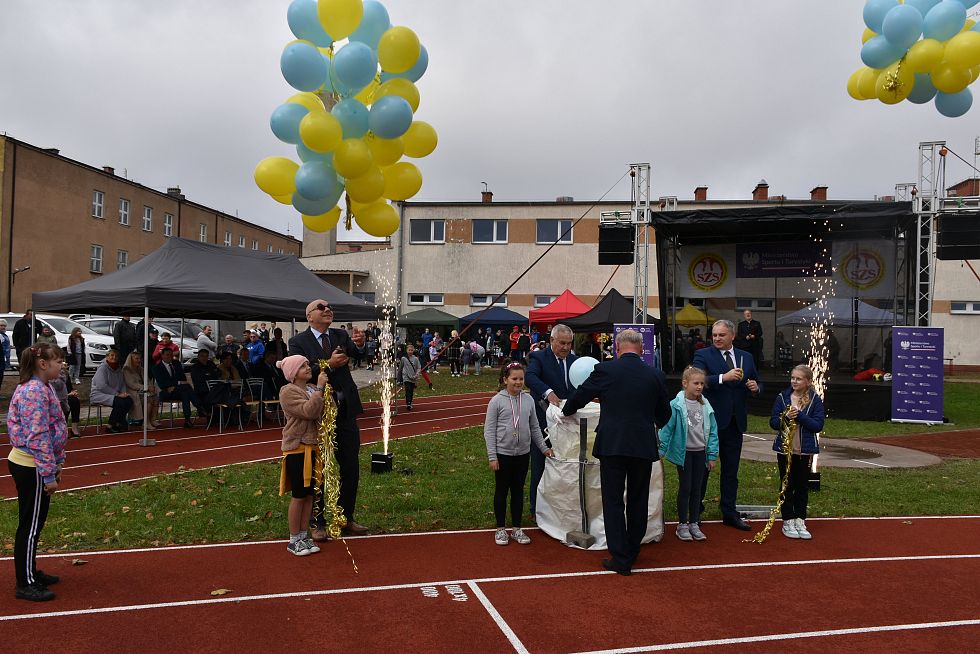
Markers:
point(146, 441)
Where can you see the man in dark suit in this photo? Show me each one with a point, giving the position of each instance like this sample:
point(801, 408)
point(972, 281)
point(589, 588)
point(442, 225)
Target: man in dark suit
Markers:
point(748, 337)
point(173, 386)
point(320, 342)
point(634, 401)
point(731, 375)
point(547, 377)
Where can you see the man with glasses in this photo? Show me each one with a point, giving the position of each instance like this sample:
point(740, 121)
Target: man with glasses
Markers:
point(336, 346)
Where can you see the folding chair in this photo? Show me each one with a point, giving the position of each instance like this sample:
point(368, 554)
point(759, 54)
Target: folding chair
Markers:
point(255, 387)
point(98, 413)
point(222, 406)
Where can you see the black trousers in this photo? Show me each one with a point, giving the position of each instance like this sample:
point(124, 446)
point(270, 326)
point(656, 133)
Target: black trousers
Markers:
point(72, 408)
point(409, 392)
point(120, 409)
point(348, 448)
point(509, 478)
point(797, 489)
point(184, 394)
point(32, 506)
point(729, 456)
point(625, 524)
point(690, 476)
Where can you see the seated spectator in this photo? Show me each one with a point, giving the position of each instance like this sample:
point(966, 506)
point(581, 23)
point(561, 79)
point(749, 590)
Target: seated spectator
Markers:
point(133, 375)
point(255, 347)
point(271, 376)
point(166, 344)
point(109, 389)
point(243, 364)
point(173, 386)
point(68, 397)
point(203, 370)
point(228, 346)
point(228, 368)
point(204, 341)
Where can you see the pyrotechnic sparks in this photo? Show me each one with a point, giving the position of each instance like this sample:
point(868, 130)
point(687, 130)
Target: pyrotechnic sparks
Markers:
point(387, 355)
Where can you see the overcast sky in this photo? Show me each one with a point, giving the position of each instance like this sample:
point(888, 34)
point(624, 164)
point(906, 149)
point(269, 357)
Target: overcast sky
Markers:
point(538, 99)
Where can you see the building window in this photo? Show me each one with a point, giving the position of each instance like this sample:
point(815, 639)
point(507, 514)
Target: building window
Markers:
point(543, 300)
point(227, 239)
point(203, 235)
point(425, 298)
point(122, 259)
point(484, 299)
point(270, 248)
point(95, 261)
point(743, 303)
point(168, 225)
point(697, 302)
point(98, 201)
point(241, 241)
point(280, 250)
point(964, 307)
point(367, 297)
point(489, 231)
point(255, 244)
point(428, 231)
point(550, 231)
point(147, 219)
point(123, 212)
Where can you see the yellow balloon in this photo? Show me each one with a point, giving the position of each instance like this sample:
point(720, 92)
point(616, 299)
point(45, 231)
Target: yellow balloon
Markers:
point(852, 87)
point(276, 175)
point(950, 79)
point(320, 131)
point(366, 95)
point(868, 35)
point(340, 17)
point(398, 49)
point(384, 151)
point(924, 55)
point(894, 84)
point(352, 158)
point(421, 139)
point(368, 187)
point(309, 100)
point(402, 181)
point(283, 199)
point(963, 50)
point(968, 25)
point(403, 88)
point(377, 219)
point(324, 222)
point(867, 82)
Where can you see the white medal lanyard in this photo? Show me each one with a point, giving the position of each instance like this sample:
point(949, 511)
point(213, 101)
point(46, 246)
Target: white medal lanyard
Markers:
point(516, 413)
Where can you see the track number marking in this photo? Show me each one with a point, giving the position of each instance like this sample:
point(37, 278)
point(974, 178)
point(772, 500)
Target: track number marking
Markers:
point(455, 592)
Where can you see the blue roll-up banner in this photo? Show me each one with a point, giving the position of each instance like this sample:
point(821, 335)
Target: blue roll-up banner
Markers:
point(917, 374)
point(650, 354)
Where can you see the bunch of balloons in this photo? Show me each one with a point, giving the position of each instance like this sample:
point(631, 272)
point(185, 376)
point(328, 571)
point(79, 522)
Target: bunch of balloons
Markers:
point(899, 65)
point(353, 118)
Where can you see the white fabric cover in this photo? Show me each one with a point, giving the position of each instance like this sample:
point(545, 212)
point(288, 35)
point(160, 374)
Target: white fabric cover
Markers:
point(558, 508)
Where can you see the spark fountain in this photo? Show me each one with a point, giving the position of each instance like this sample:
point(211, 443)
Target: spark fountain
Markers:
point(382, 461)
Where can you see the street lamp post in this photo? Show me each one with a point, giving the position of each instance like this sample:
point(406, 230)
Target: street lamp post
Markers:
point(13, 276)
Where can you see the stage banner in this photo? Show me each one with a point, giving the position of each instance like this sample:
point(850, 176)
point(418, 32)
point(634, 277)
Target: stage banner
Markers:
point(706, 271)
point(789, 259)
point(917, 374)
point(864, 269)
point(649, 355)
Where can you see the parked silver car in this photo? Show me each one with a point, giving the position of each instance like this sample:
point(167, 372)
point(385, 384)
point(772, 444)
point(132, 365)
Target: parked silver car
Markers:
point(96, 345)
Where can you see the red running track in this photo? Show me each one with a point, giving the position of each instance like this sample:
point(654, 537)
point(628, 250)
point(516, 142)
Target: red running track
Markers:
point(868, 585)
point(116, 458)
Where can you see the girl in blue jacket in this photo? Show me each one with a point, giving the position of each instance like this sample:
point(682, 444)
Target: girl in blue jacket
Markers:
point(690, 441)
point(806, 408)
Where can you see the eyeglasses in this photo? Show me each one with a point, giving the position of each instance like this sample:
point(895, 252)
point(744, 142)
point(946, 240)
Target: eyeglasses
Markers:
point(323, 307)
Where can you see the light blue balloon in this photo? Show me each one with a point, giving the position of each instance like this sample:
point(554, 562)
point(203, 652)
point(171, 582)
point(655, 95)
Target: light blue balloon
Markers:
point(922, 5)
point(878, 52)
point(315, 180)
point(306, 154)
point(353, 117)
point(414, 73)
point(390, 117)
point(923, 91)
point(374, 23)
point(317, 207)
point(285, 121)
point(580, 370)
point(355, 65)
point(875, 12)
point(303, 66)
point(944, 21)
point(954, 105)
point(305, 24)
point(902, 26)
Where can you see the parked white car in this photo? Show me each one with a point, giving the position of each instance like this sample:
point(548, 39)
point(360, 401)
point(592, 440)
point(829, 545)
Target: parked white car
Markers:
point(105, 324)
point(96, 345)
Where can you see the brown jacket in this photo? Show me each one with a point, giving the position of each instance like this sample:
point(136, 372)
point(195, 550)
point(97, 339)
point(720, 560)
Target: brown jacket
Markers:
point(303, 413)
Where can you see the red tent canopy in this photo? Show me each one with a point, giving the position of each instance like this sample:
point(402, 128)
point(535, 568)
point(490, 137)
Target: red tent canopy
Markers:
point(565, 305)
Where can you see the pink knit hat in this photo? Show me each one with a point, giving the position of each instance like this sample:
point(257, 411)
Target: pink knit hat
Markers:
point(291, 365)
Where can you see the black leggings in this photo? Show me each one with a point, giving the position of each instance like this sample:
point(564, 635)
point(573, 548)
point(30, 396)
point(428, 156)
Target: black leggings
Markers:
point(32, 505)
point(797, 490)
point(409, 392)
point(510, 476)
point(120, 408)
point(689, 478)
point(71, 408)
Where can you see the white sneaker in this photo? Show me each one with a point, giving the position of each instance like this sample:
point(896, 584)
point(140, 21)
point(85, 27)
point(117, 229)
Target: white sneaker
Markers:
point(521, 537)
point(298, 548)
point(684, 532)
point(311, 545)
point(501, 537)
point(801, 529)
point(789, 528)
point(696, 532)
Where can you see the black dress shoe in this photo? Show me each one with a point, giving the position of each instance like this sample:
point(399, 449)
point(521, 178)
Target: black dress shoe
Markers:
point(188, 424)
point(34, 593)
point(612, 567)
point(46, 580)
point(737, 522)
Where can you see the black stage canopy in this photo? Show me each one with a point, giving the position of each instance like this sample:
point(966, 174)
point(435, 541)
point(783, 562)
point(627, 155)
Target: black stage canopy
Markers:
point(612, 309)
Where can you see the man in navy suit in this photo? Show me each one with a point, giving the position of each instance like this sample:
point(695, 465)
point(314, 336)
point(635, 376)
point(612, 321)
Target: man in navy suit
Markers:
point(547, 377)
point(634, 402)
point(172, 382)
point(318, 342)
point(731, 375)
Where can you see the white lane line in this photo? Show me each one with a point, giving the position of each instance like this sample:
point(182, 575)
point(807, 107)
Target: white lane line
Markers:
point(482, 580)
point(788, 636)
point(499, 619)
point(869, 463)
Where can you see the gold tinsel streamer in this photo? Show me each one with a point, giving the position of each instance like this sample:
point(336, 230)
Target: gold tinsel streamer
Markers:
point(328, 477)
point(786, 429)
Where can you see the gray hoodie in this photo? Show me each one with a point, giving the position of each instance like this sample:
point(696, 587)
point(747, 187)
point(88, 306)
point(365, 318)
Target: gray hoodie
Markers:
point(498, 430)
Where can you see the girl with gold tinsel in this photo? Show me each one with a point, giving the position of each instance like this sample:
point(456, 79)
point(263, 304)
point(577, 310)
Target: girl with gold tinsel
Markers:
point(797, 416)
point(303, 406)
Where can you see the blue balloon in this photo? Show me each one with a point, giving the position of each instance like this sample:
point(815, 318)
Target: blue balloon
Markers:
point(355, 65)
point(922, 5)
point(303, 66)
point(390, 117)
point(310, 207)
point(944, 21)
point(580, 370)
point(923, 91)
point(315, 180)
point(414, 73)
point(353, 117)
point(902, 26)
point(374, 23)
point(878, 52)
point(954, 105)
point(285, 121)
point(875, 12)
point(305, 24)
point(306, 154)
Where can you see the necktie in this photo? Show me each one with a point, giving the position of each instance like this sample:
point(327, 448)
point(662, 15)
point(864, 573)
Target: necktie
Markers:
point(728, 358)
point(564, 373)
point(325, 342)
point(169, 370)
